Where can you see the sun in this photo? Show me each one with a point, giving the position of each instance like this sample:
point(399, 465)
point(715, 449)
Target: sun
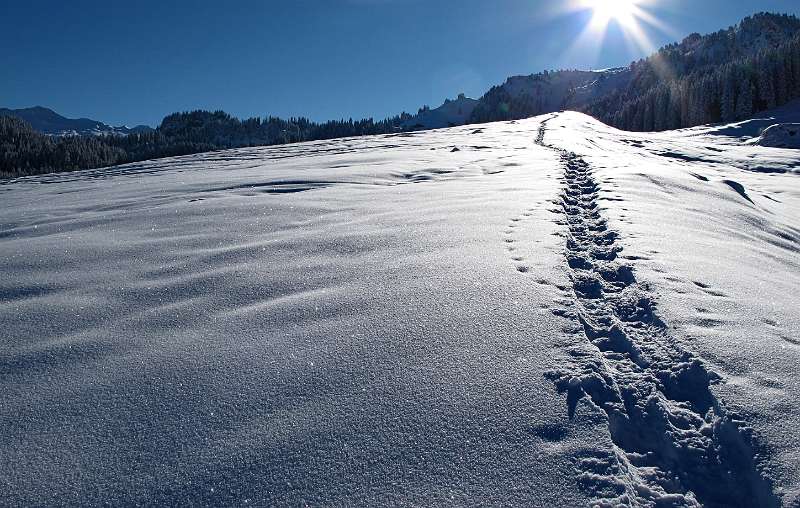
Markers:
point(604, 12)
point(633, 18)
point(630, 19)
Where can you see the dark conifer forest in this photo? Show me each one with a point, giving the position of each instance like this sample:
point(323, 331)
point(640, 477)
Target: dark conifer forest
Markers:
point(722, 77)
point(734, 74)
point(23, 151)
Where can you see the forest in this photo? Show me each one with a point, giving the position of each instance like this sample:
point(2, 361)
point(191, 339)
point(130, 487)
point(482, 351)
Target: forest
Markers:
point(23, 151)
point(721, 77)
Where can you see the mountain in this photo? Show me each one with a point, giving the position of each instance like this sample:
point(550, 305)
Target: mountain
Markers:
point(725, 76)
point(449, 114)
point(546, 92)
point(49, 122)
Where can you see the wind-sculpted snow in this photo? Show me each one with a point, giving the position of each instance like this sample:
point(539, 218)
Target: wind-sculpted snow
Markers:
point(371, 321)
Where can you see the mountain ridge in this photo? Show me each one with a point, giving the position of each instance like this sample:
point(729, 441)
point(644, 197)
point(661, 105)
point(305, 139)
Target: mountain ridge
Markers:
point(689, 76)
point(47, 121)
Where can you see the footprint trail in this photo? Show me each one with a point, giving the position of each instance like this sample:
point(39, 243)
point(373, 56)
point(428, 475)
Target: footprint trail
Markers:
point(674, 443)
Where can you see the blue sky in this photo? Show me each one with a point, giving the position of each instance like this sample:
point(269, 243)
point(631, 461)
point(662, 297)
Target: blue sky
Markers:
point(136, 61)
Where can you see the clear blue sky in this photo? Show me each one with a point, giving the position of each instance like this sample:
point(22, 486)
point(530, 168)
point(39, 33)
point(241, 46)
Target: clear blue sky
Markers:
point(130, 62)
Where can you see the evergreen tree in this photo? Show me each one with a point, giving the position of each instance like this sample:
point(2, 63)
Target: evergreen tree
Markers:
point(728, 100)
point(744, 104)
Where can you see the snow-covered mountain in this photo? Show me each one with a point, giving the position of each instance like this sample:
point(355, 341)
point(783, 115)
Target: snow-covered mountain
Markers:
point(49, 122)
point(558, 313)
point(451, 113)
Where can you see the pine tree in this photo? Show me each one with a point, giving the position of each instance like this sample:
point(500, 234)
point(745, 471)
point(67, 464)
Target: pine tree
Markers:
point(727, 102)
point(766, 86)
point(744, 104)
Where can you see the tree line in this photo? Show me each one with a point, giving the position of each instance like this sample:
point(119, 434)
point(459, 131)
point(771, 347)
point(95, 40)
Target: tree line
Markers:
point(23, 151)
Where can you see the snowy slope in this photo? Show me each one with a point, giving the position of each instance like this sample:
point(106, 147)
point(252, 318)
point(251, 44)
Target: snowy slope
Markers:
point(711, 228)
point(388, 320)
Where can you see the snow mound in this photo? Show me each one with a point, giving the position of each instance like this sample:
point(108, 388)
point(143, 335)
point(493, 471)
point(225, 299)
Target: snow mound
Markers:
point(745, 130)
point(781, 135)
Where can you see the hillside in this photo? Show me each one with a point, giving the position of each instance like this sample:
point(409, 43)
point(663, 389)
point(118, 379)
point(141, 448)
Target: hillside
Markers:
point(25, 151)
point(451, 113)
point(724, 76)
point(557, 314)
point(547, 92)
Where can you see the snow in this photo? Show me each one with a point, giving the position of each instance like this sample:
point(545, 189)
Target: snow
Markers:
point(781, 135)
point(717, 239)
point(385, 320)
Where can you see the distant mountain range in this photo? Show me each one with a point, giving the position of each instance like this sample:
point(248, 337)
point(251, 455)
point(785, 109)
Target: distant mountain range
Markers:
point(49, 122)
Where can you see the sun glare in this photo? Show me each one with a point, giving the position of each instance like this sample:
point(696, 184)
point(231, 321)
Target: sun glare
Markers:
point(633, 18)
point(606, 11)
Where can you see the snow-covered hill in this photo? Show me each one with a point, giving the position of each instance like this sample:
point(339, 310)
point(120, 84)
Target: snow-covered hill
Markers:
point(557, 313)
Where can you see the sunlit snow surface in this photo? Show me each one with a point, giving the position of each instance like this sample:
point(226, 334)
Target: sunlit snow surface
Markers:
point(377, 320)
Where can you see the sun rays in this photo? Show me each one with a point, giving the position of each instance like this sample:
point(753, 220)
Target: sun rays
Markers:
point(606, 11)
point(630, 17)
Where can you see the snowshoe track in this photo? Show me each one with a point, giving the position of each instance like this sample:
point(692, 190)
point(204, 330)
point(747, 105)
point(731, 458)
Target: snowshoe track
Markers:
point(674, 442)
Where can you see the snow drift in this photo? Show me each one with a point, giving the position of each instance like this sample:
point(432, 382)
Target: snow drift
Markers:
point(782, 135)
